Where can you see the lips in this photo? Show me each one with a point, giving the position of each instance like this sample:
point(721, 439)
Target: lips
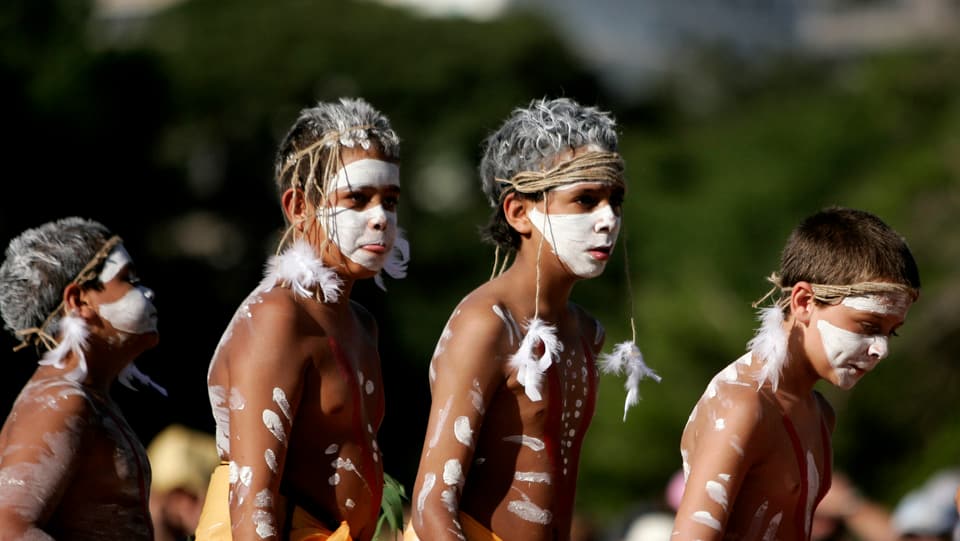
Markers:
point(601, 253)
point(375, 248)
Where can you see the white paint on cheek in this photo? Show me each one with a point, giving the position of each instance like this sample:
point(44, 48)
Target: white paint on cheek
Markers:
point(350, 230)
point(271, 459)
point(428, 481)
point(272, 421)
point(133, 313)
point(462, 430)
point(527, 441)
point(844, 350)
point(532, 477)
point(705, 518)
point(572, 236)
point(717, 493)
point(280, 398)
point(452, 472)
point(441, 420)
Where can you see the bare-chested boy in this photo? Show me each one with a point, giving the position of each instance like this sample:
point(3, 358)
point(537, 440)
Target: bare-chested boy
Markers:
point(756, 450)
point(513, 379)
point(70, 465)
point(295, 382)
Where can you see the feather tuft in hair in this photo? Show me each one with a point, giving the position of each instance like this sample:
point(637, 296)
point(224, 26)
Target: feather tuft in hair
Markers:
point(131, 373)
point(530, 368)
point(770, 344)
point(73, 337)
point(300, 268)
point(626, 357)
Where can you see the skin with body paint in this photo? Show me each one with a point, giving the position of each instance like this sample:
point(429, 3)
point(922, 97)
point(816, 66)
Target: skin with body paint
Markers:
point(70, 465)
point(295, 384)
point(743, 467)
point(489, 450)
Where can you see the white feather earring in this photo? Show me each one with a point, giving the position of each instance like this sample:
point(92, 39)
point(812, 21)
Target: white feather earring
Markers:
point(73, 338)
point(529, 367)
point(396, 263)
point(299, 268)
point(626, 358)
point(131, 373)
point(770, 344)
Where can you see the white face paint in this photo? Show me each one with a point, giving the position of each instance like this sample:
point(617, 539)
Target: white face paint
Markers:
point(574, 237)
point(133, 313)
point(883, 304)
point(851, 354)
point(365, 237)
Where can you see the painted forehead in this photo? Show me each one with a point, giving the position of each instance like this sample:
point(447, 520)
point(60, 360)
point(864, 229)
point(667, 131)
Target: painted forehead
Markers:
point(885, 304)
point(365, 173)
point(589, 184)
point(114, 263)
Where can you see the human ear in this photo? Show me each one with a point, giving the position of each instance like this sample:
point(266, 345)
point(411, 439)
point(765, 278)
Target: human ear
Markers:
point(294, 206)
point(802, 301)
point(75, 301)
point(516, 211)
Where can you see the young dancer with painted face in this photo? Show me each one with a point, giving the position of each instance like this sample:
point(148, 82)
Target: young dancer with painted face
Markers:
point(70, 465)
point(756, 449)
point(295, 382)
point(513, 380)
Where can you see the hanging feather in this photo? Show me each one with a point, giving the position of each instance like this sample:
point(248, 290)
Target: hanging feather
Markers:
point(626, 358)
point(131, 373)
point(770, 345)
point(73, 337)
point(396, 263)
point(530, 369)
point(299, 268)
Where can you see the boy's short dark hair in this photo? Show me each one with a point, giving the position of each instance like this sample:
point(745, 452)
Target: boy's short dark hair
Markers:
point(843, 246)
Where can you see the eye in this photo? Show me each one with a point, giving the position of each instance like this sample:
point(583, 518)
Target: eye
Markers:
point(390, 202)
point(359, 198)
point(586, 200)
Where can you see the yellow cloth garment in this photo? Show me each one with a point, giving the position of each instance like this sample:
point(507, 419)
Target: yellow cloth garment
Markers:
point(471, 528)
point(215, 518)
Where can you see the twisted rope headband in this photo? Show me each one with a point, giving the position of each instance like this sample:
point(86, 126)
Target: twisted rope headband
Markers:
point(832, 294)
point(38, 335)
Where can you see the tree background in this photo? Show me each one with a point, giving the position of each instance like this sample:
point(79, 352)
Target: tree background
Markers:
point(164, 128)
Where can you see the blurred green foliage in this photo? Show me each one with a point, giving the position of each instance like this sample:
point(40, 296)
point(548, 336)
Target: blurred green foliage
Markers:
point(165, 129)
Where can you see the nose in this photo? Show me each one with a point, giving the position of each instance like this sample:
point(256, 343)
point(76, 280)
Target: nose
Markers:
point(879, 348)
point(378, 219)
point(147, 293)
point(606, 220)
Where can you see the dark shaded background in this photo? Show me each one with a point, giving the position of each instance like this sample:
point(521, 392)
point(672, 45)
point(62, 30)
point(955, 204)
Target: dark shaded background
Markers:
point(164, 129)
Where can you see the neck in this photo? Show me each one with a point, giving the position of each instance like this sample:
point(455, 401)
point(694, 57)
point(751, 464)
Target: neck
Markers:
point(555, 284)
point(798, 377)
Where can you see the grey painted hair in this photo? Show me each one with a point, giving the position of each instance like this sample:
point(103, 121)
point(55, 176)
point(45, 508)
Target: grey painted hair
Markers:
point(531, 138)
point(346, 117)
point(39, 264)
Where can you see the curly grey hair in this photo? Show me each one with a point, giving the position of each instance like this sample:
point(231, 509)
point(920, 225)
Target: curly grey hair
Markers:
point(39, 264)
point(530, 140)
point(353, 119)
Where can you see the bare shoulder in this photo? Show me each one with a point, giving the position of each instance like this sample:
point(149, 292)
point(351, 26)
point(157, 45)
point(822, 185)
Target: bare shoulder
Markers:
point(48, 406)
point(481, 328)
point(732, 405)
point(272, 333)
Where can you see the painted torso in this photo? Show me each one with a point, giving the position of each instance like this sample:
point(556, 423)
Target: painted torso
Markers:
point(756, 469)
point(329, 462)
point(521, 476)
point(86, 475)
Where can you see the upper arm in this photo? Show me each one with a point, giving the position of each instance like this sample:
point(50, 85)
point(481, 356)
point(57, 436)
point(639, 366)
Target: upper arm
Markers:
point(468, 370)
point(267, 358)
point(718, 447)
point(41, 448)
